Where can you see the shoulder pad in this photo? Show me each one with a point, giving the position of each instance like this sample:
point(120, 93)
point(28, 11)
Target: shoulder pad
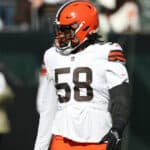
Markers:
point(48, 55)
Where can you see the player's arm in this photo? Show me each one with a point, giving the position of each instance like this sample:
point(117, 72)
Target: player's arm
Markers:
point(119, 90)
point(43, 89)
point(47, 104)
point(120, 106)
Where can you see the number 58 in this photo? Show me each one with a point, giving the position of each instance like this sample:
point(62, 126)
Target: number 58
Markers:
point(77, 84)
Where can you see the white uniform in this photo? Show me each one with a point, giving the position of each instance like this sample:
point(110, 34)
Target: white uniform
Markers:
point(82, 82)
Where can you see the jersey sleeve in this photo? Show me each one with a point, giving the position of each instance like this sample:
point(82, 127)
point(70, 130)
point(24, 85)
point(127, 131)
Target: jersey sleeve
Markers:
point(47, 112)
point(43, 90)
point(119, 90)
point(46, 63)
point(116, 72)
point(47, 106)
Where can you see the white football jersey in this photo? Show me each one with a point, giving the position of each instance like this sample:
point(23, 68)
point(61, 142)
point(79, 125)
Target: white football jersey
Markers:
point(82, 82)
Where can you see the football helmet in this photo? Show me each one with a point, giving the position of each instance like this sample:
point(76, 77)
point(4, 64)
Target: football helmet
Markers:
point(74, 21)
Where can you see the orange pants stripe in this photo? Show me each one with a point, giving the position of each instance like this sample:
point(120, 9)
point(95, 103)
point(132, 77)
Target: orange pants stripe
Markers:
point(61, 143)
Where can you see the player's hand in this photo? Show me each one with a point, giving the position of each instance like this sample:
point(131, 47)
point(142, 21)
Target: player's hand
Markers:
point(113, 140)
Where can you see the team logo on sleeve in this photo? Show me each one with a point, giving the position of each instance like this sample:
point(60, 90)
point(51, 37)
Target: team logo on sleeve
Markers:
point(116, 55)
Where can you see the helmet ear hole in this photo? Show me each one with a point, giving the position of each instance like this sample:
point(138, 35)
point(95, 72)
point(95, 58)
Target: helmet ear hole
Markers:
point(86, 28)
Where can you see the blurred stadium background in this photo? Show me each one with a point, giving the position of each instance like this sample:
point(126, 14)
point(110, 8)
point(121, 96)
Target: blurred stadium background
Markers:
point(22, 45)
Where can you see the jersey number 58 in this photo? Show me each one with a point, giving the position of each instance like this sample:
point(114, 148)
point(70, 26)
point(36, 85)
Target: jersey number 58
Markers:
point(78, 85)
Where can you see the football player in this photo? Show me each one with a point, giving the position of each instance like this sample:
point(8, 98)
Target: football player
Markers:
point(88, 85)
